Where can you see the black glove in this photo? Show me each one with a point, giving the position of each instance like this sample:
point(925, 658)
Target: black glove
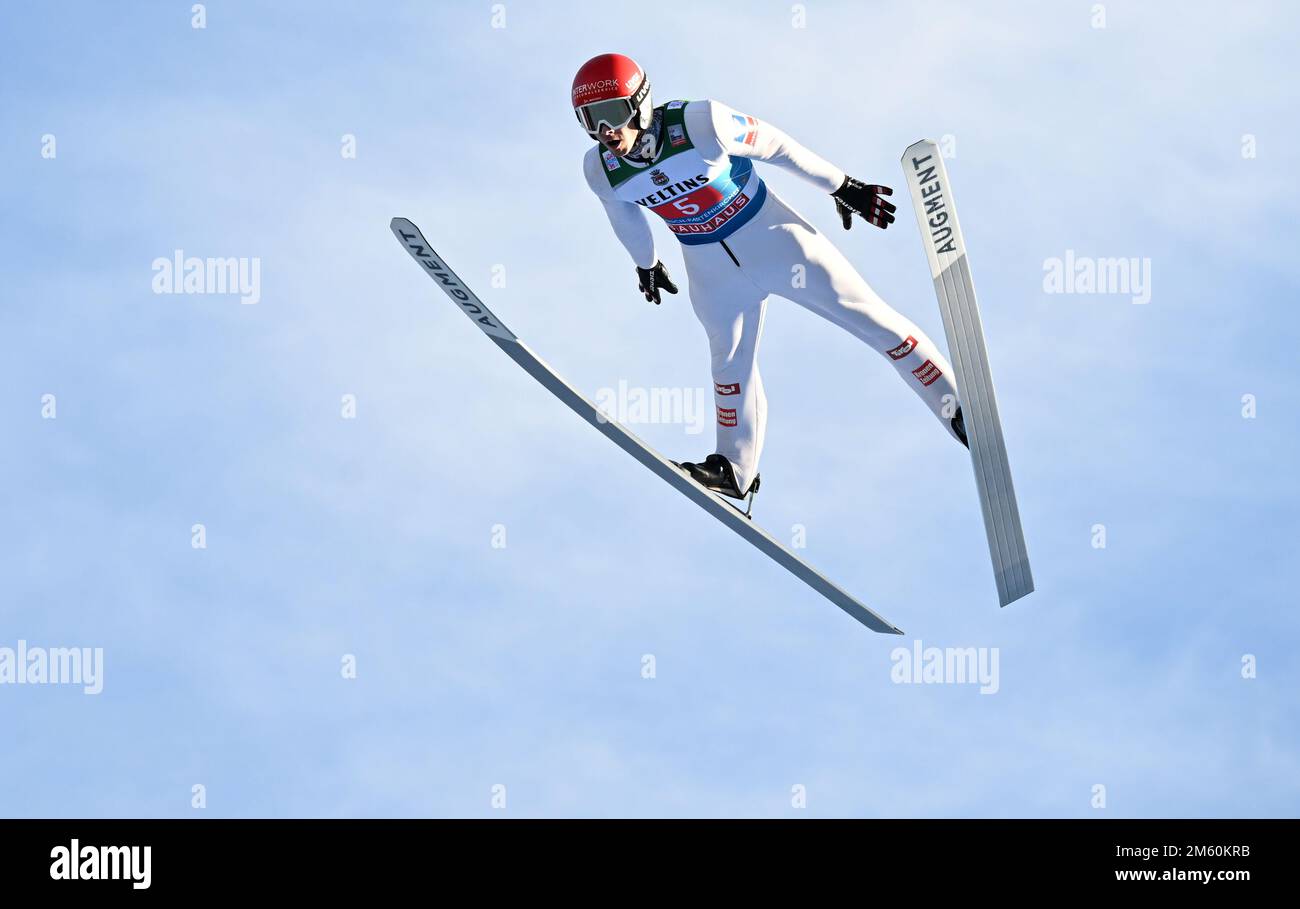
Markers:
point(865, 199)
point(650, 280)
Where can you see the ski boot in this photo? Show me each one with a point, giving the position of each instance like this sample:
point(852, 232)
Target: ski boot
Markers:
point(715, 473)
point(959, 427)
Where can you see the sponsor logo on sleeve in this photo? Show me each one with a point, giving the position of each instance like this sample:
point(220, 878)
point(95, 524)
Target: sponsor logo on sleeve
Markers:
point(903, 349)
point(676, 135)
point(732, 389)
point(611, 162)
point(673, 105)
point(748, 129)
point(927, 372)
point(726, 416)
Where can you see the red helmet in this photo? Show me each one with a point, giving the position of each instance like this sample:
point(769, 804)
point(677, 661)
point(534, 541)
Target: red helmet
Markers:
point(611, 91)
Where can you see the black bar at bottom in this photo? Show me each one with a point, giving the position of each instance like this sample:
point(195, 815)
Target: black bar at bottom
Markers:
point(215, 857)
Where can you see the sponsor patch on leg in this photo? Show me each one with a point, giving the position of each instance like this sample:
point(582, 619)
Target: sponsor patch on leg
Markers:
point(927, 372)
point(903, 349)
point(732, 389)
point(726, 416)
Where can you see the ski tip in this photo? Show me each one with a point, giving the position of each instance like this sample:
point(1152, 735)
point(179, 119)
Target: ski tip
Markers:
point(915, 146)
point(404, 229)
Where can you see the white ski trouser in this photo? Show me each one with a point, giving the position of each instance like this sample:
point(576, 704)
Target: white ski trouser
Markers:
point(730, 299)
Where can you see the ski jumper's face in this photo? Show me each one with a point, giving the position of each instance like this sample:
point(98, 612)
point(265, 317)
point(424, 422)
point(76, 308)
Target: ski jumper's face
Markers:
point(619, 141)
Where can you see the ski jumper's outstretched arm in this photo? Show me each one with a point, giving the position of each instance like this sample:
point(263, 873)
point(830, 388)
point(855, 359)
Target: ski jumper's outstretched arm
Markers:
point(717, 131)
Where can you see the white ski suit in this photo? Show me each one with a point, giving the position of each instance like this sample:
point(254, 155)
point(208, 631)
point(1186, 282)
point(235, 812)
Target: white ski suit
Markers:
point(742, 242)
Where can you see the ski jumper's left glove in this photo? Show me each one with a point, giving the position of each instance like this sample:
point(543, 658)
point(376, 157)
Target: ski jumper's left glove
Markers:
point(867, 200)
point(651, 280)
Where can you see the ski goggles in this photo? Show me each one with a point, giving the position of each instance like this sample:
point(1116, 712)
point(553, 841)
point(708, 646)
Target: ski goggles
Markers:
point(612, 113)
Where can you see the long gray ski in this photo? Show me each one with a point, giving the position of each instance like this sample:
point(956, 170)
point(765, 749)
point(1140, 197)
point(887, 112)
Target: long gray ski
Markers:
point(414, 243)
point(945, 248)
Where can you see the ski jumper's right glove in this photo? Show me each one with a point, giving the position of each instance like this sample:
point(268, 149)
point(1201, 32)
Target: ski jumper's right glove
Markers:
point(865, 199)
point(650, 280)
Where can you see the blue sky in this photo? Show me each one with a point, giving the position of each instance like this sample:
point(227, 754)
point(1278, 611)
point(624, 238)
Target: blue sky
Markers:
point(521, 666)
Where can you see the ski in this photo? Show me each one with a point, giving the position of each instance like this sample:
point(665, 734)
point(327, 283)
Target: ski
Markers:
point(945, 248)
point(418, 247)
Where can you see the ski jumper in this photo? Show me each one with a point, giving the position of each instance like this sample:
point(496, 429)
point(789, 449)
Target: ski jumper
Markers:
point(742, 242)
